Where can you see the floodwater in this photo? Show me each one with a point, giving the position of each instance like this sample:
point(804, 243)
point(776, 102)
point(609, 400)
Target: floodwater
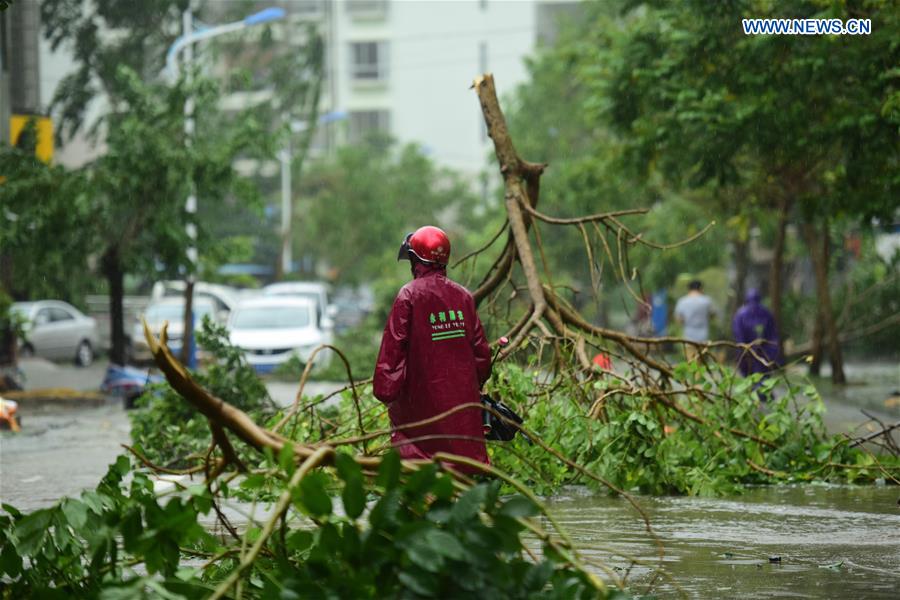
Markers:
point(59, 452)
point(832, 541)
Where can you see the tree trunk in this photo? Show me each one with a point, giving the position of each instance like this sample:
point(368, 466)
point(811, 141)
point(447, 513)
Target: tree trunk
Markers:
point(115, 277)
point(777, 271)
point(818, 252)
point(187, 337)
point(818, 343)
point(741, 268)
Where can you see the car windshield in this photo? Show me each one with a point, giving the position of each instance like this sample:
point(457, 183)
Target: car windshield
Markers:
point(175, 312)
point(271, 317)
point(314, 296)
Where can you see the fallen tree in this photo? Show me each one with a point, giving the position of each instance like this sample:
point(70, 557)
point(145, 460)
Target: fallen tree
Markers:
point(422, 527)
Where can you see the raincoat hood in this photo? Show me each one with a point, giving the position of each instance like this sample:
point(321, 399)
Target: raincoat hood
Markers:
point(421, 269)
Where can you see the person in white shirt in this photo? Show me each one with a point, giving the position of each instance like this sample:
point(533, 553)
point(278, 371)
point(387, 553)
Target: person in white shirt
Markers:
point(694, 311)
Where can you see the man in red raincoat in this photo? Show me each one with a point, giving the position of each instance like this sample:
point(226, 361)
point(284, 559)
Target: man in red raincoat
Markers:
point(433, 357)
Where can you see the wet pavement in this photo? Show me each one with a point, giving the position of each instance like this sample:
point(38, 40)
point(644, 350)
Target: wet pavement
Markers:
point(59, 452)
point(62, 451)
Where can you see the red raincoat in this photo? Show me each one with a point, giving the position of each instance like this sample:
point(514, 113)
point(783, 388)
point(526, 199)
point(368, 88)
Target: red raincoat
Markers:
point(433, 356)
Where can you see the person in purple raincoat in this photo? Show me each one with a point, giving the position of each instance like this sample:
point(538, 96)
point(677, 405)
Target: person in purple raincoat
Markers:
point(754, 324)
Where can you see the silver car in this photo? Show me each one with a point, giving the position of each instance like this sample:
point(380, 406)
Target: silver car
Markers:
point(169, 310)
point(57, 330)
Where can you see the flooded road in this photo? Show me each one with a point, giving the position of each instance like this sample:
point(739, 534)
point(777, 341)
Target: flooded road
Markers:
point(832, 541)
point(59, 452)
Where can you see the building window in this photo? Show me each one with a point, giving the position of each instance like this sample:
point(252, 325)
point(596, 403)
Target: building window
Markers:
point(366, 9)
point(368, 61)
point(364, 123)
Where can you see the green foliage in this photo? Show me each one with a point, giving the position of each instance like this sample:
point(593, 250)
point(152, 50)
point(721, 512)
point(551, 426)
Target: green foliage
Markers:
point(638, 446)
point(86, 547)
point(700, 104)
point(139, 203)
point(869, 299)
point(11, 322)
point(32, 267)
point(168, 429)
point(419, 543)
point(143, 32)
point(417, 540)
point(662, 105)
point(555, 118)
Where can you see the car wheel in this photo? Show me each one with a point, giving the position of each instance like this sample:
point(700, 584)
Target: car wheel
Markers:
point(84, 356)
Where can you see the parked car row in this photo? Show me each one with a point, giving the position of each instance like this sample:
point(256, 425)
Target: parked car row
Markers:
point(272, 325)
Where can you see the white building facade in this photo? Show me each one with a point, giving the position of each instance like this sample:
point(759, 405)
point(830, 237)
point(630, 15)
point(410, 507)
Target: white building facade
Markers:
point(405, 67)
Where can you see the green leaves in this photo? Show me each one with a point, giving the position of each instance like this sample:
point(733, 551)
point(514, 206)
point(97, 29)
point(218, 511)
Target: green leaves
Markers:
point(389, 471)
point(353, 495)
point(312, 495)
point(469, 504)
point(517, 507)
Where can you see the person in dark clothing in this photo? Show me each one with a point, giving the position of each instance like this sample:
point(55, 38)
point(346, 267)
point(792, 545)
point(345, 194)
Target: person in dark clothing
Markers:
point(754, 323)
point(433, 357)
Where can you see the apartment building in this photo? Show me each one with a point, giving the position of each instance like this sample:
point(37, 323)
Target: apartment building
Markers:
point(405, 67)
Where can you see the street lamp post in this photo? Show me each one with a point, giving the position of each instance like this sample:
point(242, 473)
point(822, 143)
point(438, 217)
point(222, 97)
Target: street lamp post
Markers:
point(185, 43)
point(286, 157)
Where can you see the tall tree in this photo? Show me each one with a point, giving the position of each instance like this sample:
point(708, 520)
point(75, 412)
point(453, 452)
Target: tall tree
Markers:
point(44, 211)
point(289, 70)
point(139, 185)
point(693, 97)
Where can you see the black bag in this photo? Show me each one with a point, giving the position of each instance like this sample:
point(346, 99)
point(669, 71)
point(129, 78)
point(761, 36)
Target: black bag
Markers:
point(496, 428)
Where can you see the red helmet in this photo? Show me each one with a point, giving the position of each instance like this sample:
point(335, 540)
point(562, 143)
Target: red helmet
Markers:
point(429, 244)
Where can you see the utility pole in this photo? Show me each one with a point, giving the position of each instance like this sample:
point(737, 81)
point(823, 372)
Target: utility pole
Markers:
point(188, 356)
point(185, 44)
point(286, 157)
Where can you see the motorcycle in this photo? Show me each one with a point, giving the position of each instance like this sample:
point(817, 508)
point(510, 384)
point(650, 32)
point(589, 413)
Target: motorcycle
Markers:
point(127, 382)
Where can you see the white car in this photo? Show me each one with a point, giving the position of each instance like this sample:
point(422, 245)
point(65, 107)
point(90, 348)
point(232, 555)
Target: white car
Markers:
point(270, 330)
point(57, 330)
point(313, 290)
